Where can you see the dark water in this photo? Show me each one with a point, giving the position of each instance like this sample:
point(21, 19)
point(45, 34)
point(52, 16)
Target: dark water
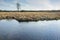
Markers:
point(41, 30)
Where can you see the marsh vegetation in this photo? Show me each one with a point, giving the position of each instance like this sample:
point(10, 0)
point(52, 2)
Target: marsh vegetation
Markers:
point(30, 16)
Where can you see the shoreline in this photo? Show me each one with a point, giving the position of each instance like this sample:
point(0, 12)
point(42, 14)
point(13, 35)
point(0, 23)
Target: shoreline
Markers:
point(29, 20)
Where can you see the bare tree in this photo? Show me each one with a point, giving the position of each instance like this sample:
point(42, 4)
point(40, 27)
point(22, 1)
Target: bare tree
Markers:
point(18, 6)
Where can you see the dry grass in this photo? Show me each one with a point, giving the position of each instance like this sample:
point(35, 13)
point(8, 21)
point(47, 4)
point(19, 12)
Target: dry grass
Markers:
point(30, 15)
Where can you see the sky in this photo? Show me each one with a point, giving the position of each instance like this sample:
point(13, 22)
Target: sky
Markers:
point(30, 4)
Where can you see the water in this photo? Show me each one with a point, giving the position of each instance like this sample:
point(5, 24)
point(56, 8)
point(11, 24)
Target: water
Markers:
point(41, 30)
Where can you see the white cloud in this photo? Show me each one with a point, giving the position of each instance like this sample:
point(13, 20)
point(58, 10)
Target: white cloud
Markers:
point(31, 5)
point(39, 4)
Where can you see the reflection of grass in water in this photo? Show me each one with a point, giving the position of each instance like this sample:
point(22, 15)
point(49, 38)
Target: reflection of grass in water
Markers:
point(30, 16)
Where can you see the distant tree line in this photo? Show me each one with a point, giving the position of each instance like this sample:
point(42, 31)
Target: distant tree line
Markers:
point(30, 11)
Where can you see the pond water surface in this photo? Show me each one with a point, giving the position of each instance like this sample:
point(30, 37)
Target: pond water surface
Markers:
point(41, 30)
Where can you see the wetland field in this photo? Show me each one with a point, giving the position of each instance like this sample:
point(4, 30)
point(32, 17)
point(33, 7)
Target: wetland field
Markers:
point(30, 16)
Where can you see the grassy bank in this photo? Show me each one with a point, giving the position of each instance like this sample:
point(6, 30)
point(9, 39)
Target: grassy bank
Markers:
point(30, 16)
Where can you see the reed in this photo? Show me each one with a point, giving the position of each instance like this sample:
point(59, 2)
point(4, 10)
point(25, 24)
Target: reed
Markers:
point(30, 16)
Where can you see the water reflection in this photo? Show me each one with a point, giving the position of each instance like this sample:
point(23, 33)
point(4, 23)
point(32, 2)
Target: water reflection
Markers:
point(41, 30)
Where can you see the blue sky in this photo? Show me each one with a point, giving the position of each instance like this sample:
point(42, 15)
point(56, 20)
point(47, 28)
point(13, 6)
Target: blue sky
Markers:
point(30, 4)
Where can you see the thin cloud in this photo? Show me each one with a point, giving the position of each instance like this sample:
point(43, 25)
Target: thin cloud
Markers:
point(31, 5)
